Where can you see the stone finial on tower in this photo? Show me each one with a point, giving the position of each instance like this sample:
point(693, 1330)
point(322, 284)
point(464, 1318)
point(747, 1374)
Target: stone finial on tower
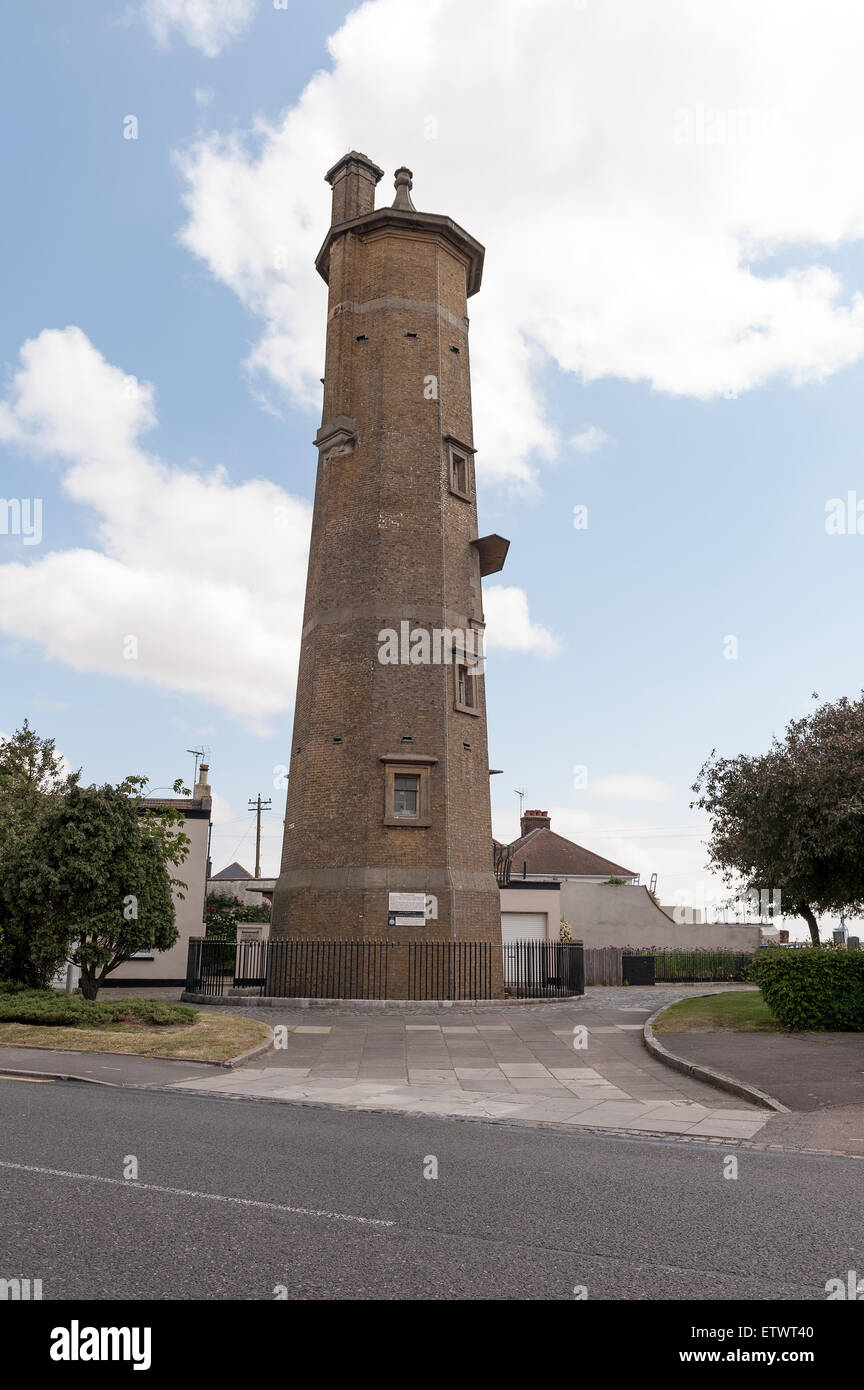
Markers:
point(404, 183)
point(353, 179)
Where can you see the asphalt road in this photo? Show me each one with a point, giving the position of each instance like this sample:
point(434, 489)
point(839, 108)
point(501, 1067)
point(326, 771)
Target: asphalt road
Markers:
point(234, 1199)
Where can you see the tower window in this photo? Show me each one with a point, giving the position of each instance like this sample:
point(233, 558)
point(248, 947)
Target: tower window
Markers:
point(361, 338)
point(454, 349)
point(412, 335)
point(459, 468)
point(459, 473)
point(465, 680)
point(406, 795)
point(407, 800)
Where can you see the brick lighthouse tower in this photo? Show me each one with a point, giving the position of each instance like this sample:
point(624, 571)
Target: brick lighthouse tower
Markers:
point(388, 795)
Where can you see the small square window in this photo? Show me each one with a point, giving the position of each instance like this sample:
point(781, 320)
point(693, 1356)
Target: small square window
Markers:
point(406, 790)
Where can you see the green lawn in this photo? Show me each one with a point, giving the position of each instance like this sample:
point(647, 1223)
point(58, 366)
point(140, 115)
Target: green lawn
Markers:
point(744, 1012)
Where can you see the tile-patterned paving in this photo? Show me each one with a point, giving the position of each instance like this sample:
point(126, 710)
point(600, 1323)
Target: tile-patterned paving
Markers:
point(514, 1062)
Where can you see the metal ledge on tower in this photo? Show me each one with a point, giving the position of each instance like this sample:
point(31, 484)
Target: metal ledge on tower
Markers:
point(492, 551)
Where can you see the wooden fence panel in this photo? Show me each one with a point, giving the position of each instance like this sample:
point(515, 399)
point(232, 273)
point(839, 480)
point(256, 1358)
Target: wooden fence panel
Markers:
point(603, 965)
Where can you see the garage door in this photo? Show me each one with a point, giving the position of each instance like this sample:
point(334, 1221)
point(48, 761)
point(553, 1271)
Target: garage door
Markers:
point(520, 926)
point(523, 926)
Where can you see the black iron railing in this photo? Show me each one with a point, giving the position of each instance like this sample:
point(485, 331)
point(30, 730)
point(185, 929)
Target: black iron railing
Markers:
point(502, 862)
point(386, 969)
point(543, 969)
point(698, 966)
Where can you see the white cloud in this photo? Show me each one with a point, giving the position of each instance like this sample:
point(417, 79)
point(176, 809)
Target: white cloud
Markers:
point(633, 787)
point(173, 570)
point(203, 96)
point(676, 853)
point(206, 24)
point(631, 169)
point(508, 622)
point(588, 440)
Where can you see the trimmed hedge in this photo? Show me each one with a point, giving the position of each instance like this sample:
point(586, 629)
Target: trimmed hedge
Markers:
point(813, 988)
point(47, 1009)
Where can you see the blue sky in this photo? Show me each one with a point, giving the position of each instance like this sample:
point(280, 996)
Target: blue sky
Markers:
point(696, 310)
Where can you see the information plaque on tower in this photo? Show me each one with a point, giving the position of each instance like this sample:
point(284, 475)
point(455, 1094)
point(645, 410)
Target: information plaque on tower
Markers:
point(406, 909)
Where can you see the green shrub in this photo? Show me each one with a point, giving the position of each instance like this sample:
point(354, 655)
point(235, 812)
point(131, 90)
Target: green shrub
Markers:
point(48, 1009)
point(152, 1011)
point(812, 988)
point(44, 1007)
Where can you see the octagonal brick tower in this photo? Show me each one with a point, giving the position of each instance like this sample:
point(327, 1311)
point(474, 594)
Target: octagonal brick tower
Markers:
point(389, 777)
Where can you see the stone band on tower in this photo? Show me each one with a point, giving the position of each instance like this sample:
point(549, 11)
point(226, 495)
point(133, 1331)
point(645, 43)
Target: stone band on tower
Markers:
point(388, 788)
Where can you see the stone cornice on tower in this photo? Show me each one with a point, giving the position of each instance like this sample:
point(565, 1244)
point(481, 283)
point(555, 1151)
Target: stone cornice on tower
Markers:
point(401, 220)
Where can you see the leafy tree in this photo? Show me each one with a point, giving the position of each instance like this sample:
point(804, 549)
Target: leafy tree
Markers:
point(223, 911)
point(31, 770)
point(89, 882)
point(793, 818)
point(33, 776)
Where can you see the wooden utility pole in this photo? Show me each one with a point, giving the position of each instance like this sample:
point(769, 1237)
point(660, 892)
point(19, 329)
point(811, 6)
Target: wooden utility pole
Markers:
point(258, 806)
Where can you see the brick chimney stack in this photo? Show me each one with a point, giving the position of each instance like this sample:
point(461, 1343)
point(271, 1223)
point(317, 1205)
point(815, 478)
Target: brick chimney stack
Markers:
point(535, 820)
point(353, 179)
point(202, 786)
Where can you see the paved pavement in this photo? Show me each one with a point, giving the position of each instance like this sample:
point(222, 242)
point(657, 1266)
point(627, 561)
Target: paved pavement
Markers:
point(512, 1063)
point(806, 1071)
point(239, 1200)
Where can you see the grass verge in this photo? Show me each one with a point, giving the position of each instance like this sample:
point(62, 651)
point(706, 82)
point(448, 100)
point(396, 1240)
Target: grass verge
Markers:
point(212, 1037)
point(744, 1012)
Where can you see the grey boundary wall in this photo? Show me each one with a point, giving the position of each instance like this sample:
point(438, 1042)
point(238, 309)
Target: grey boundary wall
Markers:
point(607, 914)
